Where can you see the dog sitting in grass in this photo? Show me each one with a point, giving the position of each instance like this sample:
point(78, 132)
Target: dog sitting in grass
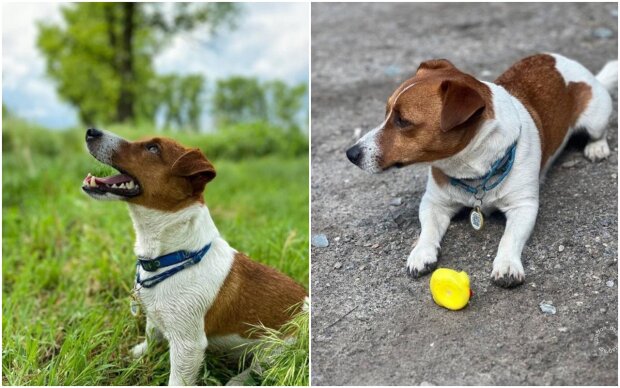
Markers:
point(195, 289)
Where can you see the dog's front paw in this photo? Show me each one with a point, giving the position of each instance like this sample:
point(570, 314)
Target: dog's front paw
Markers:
point(597, 150)
point(421, 261)
point(507, 273)
point(138, 350)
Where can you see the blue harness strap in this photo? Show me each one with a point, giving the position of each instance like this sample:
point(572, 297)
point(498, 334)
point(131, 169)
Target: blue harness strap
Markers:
point(184, 258)
point(499, 170)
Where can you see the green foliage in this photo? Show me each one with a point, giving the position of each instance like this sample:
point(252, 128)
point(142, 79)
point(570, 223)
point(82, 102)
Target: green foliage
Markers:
point(282, 357)
point(239, 100)
point(68, 264)
point(245, 99)
point(181, 100)
point(102, 60)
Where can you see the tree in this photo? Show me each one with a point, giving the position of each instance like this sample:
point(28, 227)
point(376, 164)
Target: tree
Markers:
point(102, 59)
point(239, 99)
point(246, 99)
point(182, 100)
point(288, 103)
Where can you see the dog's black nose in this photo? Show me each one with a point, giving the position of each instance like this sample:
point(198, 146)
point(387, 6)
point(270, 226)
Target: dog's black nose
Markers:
point(93, 133)
point(354, 154)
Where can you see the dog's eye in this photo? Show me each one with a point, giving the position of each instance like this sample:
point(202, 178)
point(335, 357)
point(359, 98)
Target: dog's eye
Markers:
point(152, 148)
point(400, 122)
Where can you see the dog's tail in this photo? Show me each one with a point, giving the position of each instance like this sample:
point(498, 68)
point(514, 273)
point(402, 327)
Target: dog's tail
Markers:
point(608, 76)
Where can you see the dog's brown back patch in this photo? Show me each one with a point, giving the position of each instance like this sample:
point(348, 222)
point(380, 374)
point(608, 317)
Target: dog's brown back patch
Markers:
point(554, 105)
point(253, 294)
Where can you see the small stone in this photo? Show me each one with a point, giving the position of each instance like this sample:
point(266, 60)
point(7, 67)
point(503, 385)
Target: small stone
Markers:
point(614, 176)
point(320, 241)
point(547, 308)
point(357, 132)
point(610, 283)
point(363, 267)
point(602, 310)
point(570, 163)
point(338, 265)
point(396, 201)
point(486, 73)
point(426, 384)
point(375, 246)
point(561, 248)
point(602, 33)
point(562, 329)
point(337, 239)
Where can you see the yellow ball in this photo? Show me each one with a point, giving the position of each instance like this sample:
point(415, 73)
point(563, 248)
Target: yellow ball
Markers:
point(450, 289)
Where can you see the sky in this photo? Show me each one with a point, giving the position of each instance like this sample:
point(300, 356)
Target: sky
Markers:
point(270, 42)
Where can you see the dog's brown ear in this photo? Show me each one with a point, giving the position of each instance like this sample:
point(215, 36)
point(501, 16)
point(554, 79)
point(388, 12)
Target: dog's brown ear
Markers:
point(195, 166)
point(435, 64)
point(460, 103)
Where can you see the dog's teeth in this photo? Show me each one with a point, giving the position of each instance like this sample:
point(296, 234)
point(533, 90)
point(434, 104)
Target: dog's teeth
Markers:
point(130, 185)
point(92, 182)
point(115, 186)
point(122, 186)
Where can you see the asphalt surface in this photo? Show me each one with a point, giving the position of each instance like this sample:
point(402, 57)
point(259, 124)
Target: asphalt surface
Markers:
point(373, 325)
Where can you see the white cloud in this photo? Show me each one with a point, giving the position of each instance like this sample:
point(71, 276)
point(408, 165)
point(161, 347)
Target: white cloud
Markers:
point(271, 41)
point(25, 89)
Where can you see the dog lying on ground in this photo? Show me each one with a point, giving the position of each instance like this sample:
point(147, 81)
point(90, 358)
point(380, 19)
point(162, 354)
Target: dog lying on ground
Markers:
point(195, 289)
point(488, 144)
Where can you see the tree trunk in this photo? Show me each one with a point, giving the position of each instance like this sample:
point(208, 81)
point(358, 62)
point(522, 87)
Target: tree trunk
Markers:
point(125, 108)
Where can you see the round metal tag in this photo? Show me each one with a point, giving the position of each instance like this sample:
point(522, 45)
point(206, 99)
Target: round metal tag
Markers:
point(476, 218)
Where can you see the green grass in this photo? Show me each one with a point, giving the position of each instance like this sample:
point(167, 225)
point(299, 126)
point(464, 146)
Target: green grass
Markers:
point(68, 263)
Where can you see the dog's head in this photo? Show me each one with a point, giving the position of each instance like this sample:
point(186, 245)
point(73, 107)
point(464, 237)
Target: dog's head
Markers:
point(429, 117)
point(157, 172)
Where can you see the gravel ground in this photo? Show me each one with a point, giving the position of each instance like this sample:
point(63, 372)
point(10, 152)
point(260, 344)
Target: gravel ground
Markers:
point(373, 325)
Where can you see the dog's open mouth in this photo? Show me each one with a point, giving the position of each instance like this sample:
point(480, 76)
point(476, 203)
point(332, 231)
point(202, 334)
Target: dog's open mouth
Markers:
point(122, 185)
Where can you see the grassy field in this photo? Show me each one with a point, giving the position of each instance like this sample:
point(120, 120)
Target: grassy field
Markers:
point(68, 264)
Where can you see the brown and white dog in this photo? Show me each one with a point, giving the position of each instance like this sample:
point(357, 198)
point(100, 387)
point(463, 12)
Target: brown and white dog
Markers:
point(461, 127)
point(213, 302)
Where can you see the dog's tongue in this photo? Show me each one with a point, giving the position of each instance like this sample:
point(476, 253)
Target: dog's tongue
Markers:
point(114, 180)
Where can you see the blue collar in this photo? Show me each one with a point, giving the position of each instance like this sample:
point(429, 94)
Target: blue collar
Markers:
point(499, 170)
point(186, 259)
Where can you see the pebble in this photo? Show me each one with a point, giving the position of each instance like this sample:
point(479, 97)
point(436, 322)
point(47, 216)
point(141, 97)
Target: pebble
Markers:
point(426, 384)
point(610, 283)
point(320, 241)
point(602, 33)
point(561, 248)
point(562, 329)
point(486, 73)
point(357, 132)
point(396, 201)
point(547, 308)
point(570, 163)
point(338, 265)
point(614, 176)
